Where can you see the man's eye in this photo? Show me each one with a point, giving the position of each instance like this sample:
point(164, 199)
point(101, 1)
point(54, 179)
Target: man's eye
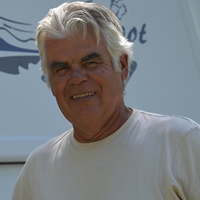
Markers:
point(60, 68)
point(91, 63)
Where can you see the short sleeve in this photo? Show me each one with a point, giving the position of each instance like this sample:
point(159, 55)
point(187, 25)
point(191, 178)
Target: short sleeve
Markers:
point(186, 166)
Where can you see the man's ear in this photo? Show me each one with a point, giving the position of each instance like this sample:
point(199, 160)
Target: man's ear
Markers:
point(123, 64)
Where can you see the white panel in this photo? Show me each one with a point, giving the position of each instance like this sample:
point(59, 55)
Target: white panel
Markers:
point(167, 78)
point(8, 177)
point(17, 149)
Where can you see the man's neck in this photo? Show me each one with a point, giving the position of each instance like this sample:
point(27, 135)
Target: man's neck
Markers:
point(100, 129)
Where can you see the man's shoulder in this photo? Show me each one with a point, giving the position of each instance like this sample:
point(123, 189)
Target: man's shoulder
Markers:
point(167, 131)
point(168, 123)
point(46, 150)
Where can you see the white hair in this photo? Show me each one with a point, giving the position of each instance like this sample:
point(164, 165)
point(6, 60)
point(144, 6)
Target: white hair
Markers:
point(69, 18)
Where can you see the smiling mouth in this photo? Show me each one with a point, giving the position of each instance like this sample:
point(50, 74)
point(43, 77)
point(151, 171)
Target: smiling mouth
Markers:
point(79, 96)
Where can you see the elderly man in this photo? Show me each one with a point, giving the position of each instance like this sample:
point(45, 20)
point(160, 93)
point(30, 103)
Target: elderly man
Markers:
point(112, 152)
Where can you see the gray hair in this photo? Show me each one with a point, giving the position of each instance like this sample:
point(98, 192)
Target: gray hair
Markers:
point(69, 18)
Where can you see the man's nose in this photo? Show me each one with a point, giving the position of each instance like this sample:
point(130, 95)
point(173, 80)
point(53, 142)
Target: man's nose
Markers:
point(78, 75)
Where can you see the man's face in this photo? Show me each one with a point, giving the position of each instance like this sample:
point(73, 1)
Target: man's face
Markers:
point(83, 80)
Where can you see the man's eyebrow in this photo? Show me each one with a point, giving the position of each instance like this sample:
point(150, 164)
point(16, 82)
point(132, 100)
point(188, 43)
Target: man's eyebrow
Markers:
point(56, 64)
point(91, 57)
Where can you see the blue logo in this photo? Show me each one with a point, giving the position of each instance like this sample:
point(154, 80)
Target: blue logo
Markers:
point(120, 9)
point(11, 33)
point(17, 41)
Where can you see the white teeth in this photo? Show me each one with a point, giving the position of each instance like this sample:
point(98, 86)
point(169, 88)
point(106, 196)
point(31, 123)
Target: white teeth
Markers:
point(83, 95)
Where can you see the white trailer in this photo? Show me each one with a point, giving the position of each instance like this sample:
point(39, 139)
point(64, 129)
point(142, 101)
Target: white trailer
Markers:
point(165, 78)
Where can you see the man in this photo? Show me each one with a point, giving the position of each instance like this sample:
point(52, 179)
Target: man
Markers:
point(112, 152)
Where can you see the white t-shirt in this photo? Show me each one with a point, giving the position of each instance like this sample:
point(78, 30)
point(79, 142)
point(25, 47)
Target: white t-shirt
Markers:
point(150, 157)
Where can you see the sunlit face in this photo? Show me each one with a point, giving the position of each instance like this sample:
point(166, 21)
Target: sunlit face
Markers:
point(82, 78)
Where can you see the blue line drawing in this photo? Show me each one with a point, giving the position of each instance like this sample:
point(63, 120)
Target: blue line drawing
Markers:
point(11, 65)
point(12, 21)
point(15, 31)
point(9, 29)
point(119, 8)
point(4, 46)
point(132, 69)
